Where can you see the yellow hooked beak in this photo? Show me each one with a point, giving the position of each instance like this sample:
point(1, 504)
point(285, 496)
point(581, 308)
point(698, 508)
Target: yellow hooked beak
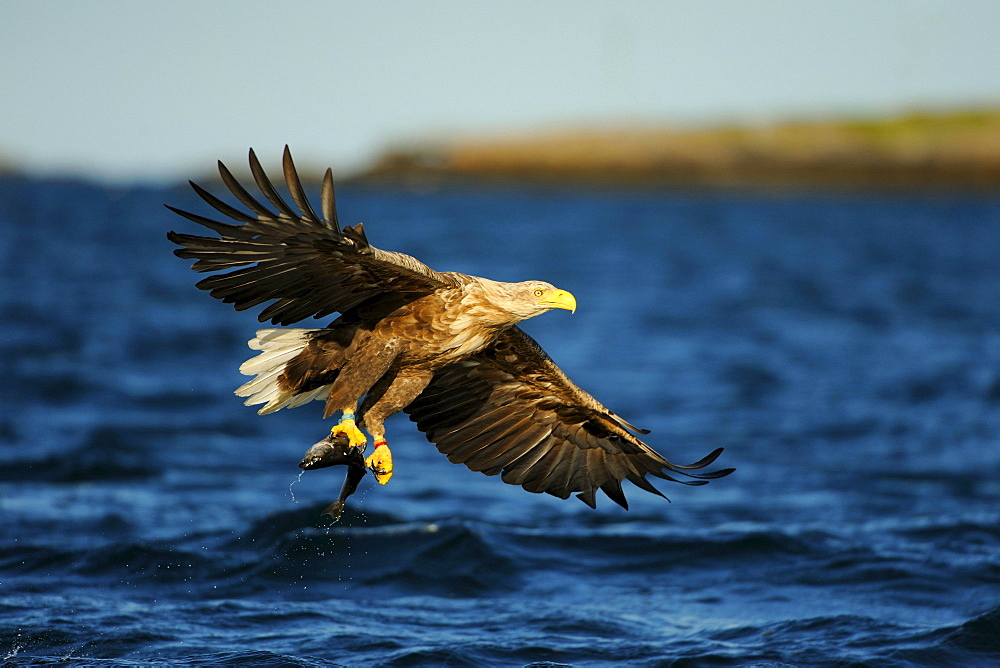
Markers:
point(558, 299)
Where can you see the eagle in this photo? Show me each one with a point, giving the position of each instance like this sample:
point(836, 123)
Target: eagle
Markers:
point(441, 346)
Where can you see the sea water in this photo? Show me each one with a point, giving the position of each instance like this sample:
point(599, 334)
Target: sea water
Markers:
point(843, 348)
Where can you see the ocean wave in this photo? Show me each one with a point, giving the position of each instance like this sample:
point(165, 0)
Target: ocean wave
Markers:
point(502, 635)
point(252, 658)
point(980, 636)
point(450, 559)
point(106, 453)
point(378, 552)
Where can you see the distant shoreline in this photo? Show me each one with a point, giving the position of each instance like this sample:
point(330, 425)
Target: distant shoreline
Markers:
point(934, 152)
point(939, 151)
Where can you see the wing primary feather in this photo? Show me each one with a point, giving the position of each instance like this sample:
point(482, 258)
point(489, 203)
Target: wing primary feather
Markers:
point(209, 261)
point(510, 453)
point(543, 467)
point(666, 476)
point(463, 449)
point(527, 441)
point(560, 480)
point(711, 475)
point(596, 470)
point(589, 497)
point(295, 187)
point(701, 463)
point(492, 455)
point(275, 313)
point(628, 425)
point(266, 187)
point(234, 231)
point(221, 206)
point(224, 247)
point(552, 471)
point(240, 193)
point(613, 488)
point(328, 199)
point(517, 472)
point(641, 482)
point(479, 423)
point(244, 278)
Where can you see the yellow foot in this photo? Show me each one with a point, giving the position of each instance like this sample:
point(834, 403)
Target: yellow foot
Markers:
point(350, 430)
point(380, 462)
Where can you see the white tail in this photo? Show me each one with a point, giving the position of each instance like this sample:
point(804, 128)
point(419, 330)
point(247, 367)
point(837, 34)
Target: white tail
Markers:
point(278, 346)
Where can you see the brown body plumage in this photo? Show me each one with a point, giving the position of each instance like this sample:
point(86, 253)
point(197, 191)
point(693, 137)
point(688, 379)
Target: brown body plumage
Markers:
point(441, 346)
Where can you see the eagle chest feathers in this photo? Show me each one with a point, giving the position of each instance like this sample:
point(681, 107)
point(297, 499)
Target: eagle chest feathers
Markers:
point(447, 326)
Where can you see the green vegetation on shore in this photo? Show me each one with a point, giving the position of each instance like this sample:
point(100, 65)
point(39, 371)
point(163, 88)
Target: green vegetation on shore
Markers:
point(945, 150)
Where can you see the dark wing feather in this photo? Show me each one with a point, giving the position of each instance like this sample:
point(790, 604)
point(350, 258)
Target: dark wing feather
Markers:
point(510, 410)
point(302, 264)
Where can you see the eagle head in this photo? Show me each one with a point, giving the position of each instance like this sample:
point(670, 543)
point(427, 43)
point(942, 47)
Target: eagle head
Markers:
point(531, 298)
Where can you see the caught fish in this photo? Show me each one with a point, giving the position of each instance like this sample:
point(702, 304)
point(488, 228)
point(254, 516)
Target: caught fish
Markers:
point(336, 451)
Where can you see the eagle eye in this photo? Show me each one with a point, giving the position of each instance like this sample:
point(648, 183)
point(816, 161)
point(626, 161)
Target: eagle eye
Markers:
point(539, 293)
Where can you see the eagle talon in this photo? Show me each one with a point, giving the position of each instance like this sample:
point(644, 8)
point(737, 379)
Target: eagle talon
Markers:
point(348, 429)
point(380, 462)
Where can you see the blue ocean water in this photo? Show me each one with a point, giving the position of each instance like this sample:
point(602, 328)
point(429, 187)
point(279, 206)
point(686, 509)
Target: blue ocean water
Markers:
point(844, 349)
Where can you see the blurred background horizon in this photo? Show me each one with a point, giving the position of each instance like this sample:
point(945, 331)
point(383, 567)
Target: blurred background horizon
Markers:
point(157, 91)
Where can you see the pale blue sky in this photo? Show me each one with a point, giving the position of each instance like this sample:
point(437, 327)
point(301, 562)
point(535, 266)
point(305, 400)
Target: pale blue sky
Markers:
point(146, 90)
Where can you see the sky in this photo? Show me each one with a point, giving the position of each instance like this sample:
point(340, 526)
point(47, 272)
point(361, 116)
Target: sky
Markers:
point(141, 91)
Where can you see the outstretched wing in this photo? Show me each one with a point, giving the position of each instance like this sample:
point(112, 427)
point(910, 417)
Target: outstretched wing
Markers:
point(309, 265)
point(510, 410)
